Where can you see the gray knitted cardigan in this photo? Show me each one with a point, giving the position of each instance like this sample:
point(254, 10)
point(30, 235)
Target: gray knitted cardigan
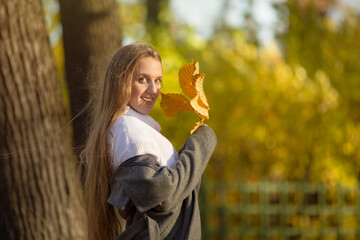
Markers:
point(159, 202)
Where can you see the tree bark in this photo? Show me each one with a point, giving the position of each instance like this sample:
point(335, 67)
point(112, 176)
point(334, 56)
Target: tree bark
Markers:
point(91, 34)
point(39, 187)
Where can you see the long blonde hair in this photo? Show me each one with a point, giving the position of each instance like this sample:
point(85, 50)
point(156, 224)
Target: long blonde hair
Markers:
point(107, 105)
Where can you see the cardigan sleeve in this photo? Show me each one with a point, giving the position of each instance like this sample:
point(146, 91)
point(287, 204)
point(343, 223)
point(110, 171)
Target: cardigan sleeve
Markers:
point(148, 185)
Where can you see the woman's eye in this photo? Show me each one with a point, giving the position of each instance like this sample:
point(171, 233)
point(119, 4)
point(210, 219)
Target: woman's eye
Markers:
point(142, 80)
point(158, 81)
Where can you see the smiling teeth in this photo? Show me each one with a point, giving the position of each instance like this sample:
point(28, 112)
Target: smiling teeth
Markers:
point(147, 99)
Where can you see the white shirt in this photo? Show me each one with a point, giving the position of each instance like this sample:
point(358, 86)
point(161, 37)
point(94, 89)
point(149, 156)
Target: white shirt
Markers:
point(136, 134)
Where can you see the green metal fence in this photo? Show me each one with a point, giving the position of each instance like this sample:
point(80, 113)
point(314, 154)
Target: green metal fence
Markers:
point(272, 211)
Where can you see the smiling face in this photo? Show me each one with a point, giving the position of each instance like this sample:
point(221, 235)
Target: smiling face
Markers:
point(146, 85)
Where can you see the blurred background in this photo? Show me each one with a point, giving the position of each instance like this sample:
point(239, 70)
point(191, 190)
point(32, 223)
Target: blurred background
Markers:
point(282, 80)
point(283, 84)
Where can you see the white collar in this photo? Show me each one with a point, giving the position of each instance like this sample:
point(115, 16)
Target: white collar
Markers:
point(143, 117)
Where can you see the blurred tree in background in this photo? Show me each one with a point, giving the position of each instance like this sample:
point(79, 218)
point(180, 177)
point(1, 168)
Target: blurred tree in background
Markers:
point(91, 35)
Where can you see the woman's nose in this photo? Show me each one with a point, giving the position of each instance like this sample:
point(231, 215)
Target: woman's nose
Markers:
point(152, 88)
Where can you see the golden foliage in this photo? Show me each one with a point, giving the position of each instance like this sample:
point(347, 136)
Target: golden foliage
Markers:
point(191, 82)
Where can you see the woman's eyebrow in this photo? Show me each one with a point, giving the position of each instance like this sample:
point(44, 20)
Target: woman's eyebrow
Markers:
point(147, 75)
point(143, 74)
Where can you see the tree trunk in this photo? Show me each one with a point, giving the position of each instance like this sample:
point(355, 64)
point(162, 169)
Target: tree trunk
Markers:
point(91, 34)
point(39, 186)
point(153, 8)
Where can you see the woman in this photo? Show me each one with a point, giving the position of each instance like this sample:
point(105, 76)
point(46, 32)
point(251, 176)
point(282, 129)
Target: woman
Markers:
point(131, 168)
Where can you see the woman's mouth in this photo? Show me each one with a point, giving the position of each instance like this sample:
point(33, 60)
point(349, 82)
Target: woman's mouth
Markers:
point(147, 99)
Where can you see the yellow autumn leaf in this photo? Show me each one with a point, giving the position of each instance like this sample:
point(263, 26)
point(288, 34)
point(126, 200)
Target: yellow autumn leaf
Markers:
point(196, 105)
point(187, 79)
point(172, 103)
point(199, 85)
